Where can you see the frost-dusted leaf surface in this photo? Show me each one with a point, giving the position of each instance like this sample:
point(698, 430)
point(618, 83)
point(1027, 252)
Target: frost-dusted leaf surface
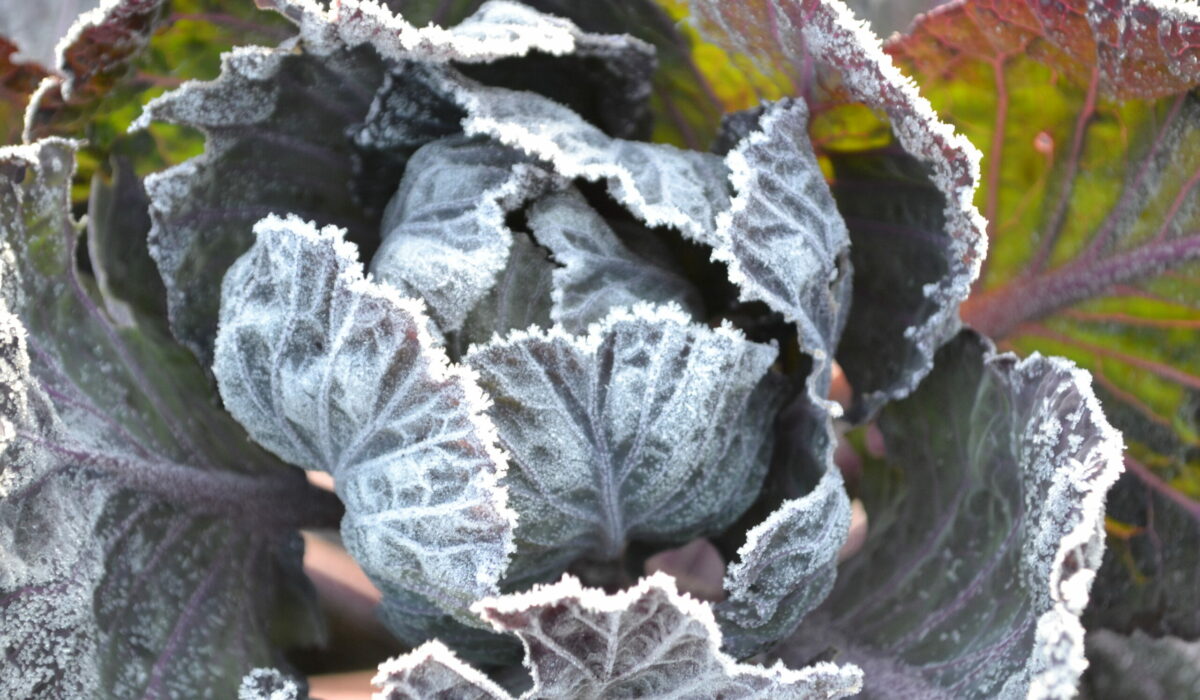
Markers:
point(1140, 667)
point(1091, 185)
point(647, 428)
point(783, 239)
point(445, 238)
point(433, 671)
point(271, 147)
point(269, 684)
point(648, 641)
point(788, 563)
point(597, 272)
point(986, 530)
point(133, 567)
point(796, 37)
point(331, 371)
point(521, 297)
point(659, 184)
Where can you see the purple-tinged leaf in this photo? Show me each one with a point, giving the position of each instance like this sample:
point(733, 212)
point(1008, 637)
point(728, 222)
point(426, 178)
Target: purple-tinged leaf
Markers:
point(597, 272)
point(803, 38)
point(1089, 119)
point(335, 372)
point(433, 671)
point(648, 641)
point(649, 428)
point(18, 80)
point(986, 533)
point(149, 548)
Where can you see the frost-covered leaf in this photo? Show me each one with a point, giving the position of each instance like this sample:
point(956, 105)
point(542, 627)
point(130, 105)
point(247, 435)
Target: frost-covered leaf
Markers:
point(648, 428)
point(648, 641)
point(269, 684)
point(139, 559)
point(659, 184)
point(598, 272)
point(1140, 667)
point(269, 149)
point(1091, 127)
point(334, 372)
point(986, 532)
point(445, 235)
point(783, 239)
point(788, 562)
point(520, 298)
point(433, 671)
point(798, 37)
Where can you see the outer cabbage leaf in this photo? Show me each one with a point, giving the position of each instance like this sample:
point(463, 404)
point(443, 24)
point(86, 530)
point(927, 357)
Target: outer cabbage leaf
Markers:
point(816, 42)
point(334, 372)
point(140, 560)
point(1090, 120)
point(598, 272)
point(1138, 667)
point(986, 534)
point(648, 642)
point(648, 428)
point(445, 235)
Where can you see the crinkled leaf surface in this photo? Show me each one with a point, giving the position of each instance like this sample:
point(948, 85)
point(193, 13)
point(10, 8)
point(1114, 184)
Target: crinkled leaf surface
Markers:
point(783, 239)
point(796, 37)
point(139, 561)
point(647, 428)
point(445, 235)
point(334, 372)
point(648, 641)
point(788, 562)
point(1140, 667)
point(986, 531)
point(1091, 185)
point(431, 671)
point(597, 272)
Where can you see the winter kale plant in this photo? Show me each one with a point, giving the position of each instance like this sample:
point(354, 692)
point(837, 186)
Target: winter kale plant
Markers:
point(550, 289)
